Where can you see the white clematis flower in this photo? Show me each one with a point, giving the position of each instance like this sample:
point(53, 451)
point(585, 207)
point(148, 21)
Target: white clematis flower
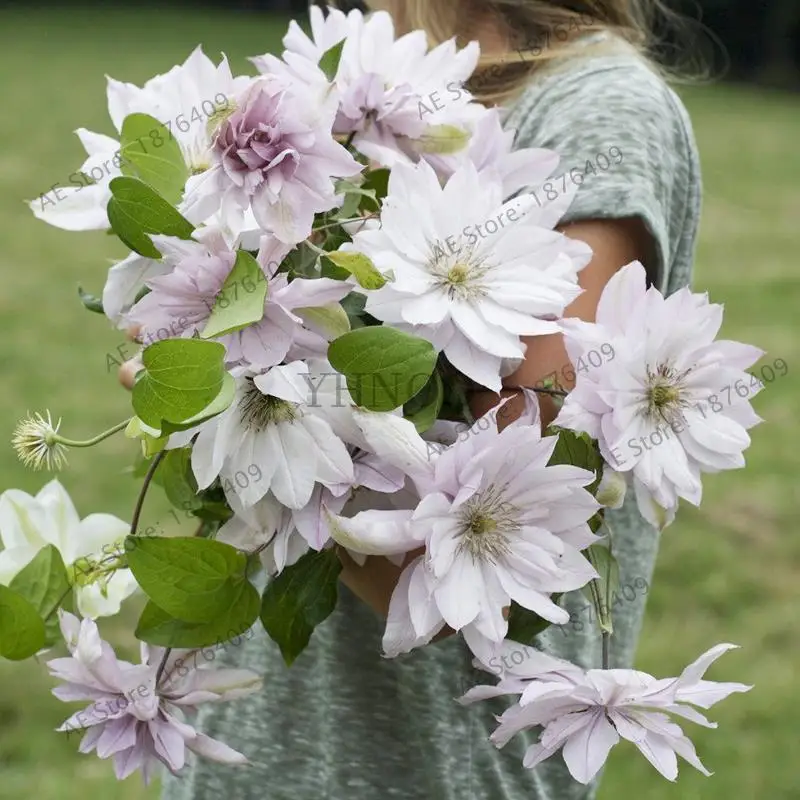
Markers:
point(471, 274)
point(185, 98)
point(282, 434)
point(672, 402)
point(586, 713)
point(27, 524)
point(269, 526)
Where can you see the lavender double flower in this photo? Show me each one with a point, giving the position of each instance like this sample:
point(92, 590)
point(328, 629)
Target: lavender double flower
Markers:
point(137, 711)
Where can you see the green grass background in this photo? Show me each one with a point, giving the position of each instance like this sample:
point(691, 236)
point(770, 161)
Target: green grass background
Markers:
point(727, 571)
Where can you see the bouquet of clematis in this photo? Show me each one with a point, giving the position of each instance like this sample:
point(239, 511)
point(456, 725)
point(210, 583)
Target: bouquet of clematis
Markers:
point(324, 258)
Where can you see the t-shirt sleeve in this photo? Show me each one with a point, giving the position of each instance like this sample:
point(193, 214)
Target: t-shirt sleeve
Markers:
point(624, 137)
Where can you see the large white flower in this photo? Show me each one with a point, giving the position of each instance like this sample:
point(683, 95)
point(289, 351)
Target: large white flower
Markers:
point(669, 402)
point(27, 524)
point(586, 713)
point(185, 98)
point(269, 528)
point(282, 434)
point(497, 524)
point(392, 90)
point(283, 535)
point(471, 274)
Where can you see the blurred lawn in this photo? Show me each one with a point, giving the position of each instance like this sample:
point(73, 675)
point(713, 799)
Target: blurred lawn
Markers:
point(727, 572)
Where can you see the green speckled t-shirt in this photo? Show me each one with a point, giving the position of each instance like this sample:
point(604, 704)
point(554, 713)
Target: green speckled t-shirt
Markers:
point(343, 723)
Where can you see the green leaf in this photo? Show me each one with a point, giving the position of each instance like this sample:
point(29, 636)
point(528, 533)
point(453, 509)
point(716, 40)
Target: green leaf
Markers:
point(151, 444)
point(377, 182)
point(359, 196)
point(216, 406)
point(162, 166)
point(360, 266)
point(331, 320)
point(423, 409)
point(159, 628)
point(329, 63)
point(353, 306)
point(175, 476)
point(22, 632)
point(191, 579)
point(181, 377)
point(606, 565)
point(384, 367)
point(240, 301)
point(302, 262)
point(213, 511)
point(90, 301)
point(525, 625)
point(299, 599)
point(578, 449)
point(44, 583)
point(443, 140)
point(136, 210)
point(352, 199)
point(327, 269)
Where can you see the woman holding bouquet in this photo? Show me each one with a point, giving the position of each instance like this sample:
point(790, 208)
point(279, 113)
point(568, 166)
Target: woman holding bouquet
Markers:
point(345, 723)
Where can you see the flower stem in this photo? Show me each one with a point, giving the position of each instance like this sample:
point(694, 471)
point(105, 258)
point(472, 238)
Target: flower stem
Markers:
point(162, 665)
point(318, 250)
point(54, 438)
point(552, 392)
point(143, 491)
point(342, 221)
point(603, 607)
point(350, 139)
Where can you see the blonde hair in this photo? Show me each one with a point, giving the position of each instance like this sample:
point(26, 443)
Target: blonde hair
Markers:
point(534, 32)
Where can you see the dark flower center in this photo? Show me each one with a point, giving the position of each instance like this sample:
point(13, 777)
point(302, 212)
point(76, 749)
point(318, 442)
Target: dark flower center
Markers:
point(260, 410)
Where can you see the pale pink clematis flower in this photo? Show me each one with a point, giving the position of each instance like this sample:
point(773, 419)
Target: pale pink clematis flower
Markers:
point(391, 91)
point(283, 535)
point(181, 301)
point(491, 150)
point(668, 402)
point(496, 522)
point(135, 718)
point(586, 712)
point(274, 155)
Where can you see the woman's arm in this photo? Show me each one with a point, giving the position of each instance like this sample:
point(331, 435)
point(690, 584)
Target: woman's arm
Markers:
point(614, 243)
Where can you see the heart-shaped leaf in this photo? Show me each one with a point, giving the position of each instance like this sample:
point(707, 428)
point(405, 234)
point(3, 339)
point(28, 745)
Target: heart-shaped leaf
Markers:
point(191, 579)
point(181, 378)
point(299, 599)
point(149, 151)
point(136, 210)
point(240, 301)
point(22, 632)
point(384, 367)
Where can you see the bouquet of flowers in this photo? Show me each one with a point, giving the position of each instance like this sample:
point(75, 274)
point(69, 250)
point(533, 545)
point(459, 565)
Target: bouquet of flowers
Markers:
point(324, 258)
